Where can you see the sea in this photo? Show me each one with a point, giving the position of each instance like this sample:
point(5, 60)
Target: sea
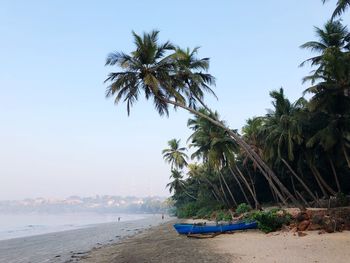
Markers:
point(30, 224)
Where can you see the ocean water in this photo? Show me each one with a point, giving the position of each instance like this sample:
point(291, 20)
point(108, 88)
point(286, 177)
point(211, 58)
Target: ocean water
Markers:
point(30, 224)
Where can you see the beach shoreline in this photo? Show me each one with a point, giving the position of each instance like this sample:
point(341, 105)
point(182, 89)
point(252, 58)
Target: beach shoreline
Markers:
point(66, 246)
point(155, 240)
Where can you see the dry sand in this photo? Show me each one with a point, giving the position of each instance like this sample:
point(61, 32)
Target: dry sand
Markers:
point(163, 244)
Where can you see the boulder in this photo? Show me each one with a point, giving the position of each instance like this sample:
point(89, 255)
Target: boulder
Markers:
point(302, 216)
point(313, 227)
point(303, 225)
point(329, 224)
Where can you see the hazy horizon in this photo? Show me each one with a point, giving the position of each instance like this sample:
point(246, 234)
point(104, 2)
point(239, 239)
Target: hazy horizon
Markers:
point(60, 137)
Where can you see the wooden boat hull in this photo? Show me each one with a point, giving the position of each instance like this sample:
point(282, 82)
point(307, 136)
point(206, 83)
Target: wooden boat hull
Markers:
point(204, 229)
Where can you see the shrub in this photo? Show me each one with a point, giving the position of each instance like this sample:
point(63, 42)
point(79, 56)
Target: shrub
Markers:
point(269, 221)
point(204, 212)
point(223, 215)
point(187, 210)
point(243, 208)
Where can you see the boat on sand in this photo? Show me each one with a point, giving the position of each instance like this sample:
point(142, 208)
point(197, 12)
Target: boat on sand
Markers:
point(201, 228)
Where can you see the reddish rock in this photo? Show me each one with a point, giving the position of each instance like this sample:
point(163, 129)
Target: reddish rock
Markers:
point(329, 224)
point(303, 225)
point(317, 219)
point(302, 217)
point(313, 227)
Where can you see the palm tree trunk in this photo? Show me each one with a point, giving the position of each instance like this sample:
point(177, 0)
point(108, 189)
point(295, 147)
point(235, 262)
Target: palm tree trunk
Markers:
point(216, 197)
point(223, 191)
point(265, 170)
point(334, 173)
point(188, 194)
point(346, 156)
point(251, 181)
point(240, 186)
point(249, 187)
point(293, 185)
point(229, 190)
point(219, 193)
point(302, 198)
point(319, 182)
point(308, 190)
point(329, 189)
point(215, 189)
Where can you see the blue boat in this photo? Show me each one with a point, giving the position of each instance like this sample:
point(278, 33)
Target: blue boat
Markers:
point(208, 228)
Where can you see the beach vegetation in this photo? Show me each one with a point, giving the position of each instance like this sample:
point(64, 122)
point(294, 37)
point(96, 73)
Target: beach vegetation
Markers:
point(295, 154)
point(243, 208)
point(270, 220)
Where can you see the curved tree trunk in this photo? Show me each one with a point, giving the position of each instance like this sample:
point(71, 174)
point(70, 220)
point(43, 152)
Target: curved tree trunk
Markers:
point(229, 190)
point(240, 186)
point(188, 194)
point(265, 170)
point(335, 174)
point(252, 182)
point(223, 191)
point(346, 156)
point(308, 190)
point(325, 194)
point(249, 187)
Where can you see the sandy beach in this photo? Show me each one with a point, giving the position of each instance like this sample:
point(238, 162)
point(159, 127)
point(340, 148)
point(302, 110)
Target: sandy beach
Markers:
point(163, 244)
point(67, 246)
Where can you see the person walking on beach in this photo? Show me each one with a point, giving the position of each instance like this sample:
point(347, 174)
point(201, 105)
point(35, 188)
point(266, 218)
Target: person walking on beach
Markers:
point(119, 219)
point(162, 216)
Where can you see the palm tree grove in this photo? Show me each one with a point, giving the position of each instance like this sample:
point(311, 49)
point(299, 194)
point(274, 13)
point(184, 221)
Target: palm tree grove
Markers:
point(295, 155)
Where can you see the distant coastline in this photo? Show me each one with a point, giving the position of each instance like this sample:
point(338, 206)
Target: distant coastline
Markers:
point(103, 203)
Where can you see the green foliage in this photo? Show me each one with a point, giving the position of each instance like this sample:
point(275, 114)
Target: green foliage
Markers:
point(243, 208)
point(187, 210)
point(204, 212)
point(269, 221)
point(223, 215)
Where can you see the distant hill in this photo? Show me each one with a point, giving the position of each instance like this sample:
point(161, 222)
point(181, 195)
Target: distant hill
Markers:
point(104, 203)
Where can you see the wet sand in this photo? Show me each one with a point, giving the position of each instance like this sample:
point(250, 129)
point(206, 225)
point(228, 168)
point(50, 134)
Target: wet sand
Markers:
point(163, 244)
point(68, 246)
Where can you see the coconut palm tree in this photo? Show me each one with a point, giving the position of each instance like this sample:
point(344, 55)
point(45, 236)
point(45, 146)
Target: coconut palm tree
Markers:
point(282, 127)
point(331, 88)
point(175, 154)
point(192, 74)
point(150, 70)
point(342, 5)
point(178, 184)
point(333, 35)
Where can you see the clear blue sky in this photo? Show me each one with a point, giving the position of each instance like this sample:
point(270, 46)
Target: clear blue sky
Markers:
point(59, 136)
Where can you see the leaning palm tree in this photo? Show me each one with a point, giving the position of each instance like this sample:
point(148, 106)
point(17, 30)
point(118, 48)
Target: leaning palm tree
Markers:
point(217, 149)
point(191, 73)
point(175, 154)
point(152, 70)
point(342, 5)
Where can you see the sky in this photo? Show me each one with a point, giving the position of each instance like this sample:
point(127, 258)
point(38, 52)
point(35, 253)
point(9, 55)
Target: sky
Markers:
point(60, 136)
